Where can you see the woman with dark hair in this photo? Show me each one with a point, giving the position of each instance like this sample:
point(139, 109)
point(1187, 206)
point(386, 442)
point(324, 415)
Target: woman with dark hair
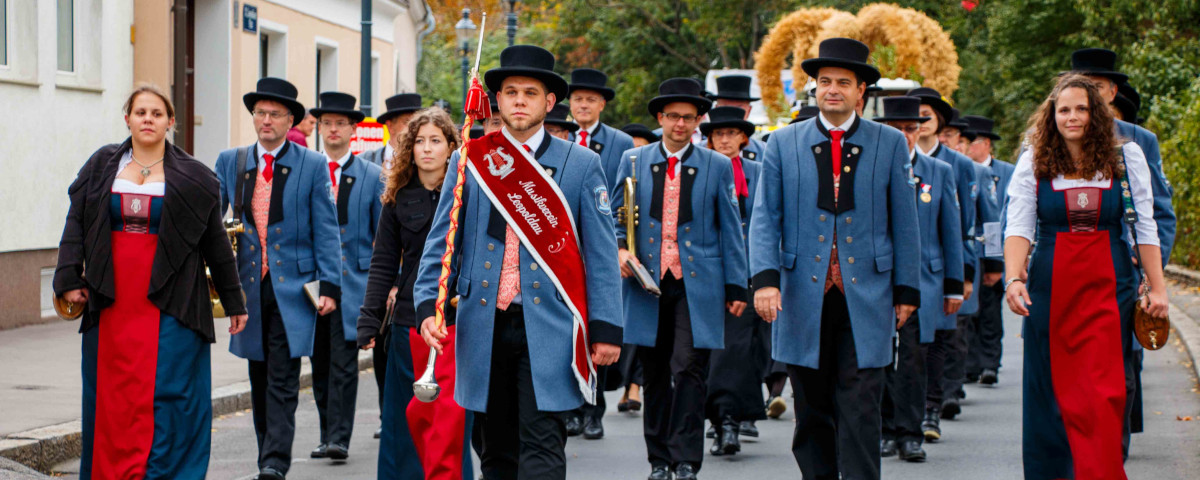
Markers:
point(144, 220)
point(429, 440)
point(1074, 190)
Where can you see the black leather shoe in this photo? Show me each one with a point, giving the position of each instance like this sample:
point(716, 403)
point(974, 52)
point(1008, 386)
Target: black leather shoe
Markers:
point(931, 426)
point(712, 431)
point(623, 406)
point(593, 429)
point(685, 471)
point(338, 452)
point(887, 448)
point(574, 426)
point(378, 432)
point(635, 405)
point(659, 472)
point(911, 451)
point(971, 378)
point(748, 429)
point(730, 444)
point(989, 377)
point(951, 408)
point(320, 452)
point(269, 473)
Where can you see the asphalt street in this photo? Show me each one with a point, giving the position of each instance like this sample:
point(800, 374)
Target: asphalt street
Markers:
point(984, 443)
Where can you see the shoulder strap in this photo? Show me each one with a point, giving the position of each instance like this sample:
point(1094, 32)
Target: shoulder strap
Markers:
point(1130, 216)
point(242, 155)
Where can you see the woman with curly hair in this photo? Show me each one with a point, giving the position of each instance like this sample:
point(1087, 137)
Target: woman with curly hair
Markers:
point(428, 440)
point(1072, 193)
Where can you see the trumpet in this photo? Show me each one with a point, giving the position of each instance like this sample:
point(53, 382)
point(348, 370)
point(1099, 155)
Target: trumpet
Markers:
point(628, 214)
point(232, 228)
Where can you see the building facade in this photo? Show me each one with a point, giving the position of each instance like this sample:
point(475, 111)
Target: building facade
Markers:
point(66, 67)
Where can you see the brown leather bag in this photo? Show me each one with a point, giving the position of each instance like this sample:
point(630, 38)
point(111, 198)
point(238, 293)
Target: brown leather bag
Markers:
point(1151, 332)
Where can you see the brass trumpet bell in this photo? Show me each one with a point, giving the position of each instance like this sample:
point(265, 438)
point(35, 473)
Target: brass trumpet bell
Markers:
point(232, 228)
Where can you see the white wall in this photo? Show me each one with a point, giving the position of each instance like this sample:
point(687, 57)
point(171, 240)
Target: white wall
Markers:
point(52, 125)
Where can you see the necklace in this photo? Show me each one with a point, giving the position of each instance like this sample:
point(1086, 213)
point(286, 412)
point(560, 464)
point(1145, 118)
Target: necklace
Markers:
point(145, 168)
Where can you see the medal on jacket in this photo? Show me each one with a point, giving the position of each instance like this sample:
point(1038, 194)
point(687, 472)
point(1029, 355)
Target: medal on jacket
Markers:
point(925, 195)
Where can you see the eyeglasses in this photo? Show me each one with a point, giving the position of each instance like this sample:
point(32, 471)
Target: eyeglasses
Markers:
point(338, 124)
point(260, 114)
point(910, 128)
point(675, 117)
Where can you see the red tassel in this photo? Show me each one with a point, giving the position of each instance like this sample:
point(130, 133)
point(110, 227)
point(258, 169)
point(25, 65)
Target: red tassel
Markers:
point(477, 105)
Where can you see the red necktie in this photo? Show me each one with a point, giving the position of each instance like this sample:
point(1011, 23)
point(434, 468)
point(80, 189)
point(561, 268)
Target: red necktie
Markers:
point(739, 178)
point(333, 166)
point(527, 149)
point(836, 148)
point(583, 138)
point(671, 167)
point(268, 166)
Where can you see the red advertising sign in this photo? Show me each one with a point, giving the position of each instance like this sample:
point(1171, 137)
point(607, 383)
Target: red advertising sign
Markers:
point(368, 135)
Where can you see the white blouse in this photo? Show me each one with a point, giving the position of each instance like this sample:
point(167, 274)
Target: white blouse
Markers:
point(120, 185)
point(1022, 195)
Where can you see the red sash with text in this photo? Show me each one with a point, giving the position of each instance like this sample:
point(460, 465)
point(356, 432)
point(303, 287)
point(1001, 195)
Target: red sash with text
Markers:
point(535, 208)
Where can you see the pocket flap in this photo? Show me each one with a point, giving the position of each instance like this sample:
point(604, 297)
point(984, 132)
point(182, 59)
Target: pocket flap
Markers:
point(935, 264)
point(883, 263)
point(307, 265)
point(789, 260)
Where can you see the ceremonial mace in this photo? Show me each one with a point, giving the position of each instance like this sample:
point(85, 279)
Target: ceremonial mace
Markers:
point(476, 107)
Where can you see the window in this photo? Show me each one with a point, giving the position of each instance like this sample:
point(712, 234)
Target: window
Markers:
point(272, 49)
point(264, 53)
point(66, 35)
point(3, 32)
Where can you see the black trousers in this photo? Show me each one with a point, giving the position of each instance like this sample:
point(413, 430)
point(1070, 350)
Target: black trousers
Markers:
point(987, 334)
point(904, 391)
point(674, 393)
point(955, 371)
point(935, 367)
point(736, 372)
point(837, 404)
point(335, 379)
point(274, 388)
point(519, 441)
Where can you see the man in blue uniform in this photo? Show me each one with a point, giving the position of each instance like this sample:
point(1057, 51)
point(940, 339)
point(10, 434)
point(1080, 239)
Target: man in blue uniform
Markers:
point(941, 283)
point(589, 94)
point(400, 109)
point(282, 194)
point(356, 188)
point(734, 91)
point(514, 342)
point(690, 242)
point(835, 218)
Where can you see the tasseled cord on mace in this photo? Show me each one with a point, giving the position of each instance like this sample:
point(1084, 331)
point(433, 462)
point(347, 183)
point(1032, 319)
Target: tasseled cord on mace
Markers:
point(476, 107)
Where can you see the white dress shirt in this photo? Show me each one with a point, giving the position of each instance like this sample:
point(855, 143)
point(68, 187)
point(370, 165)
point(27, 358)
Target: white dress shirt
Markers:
point(263, 151)
point(337, 174)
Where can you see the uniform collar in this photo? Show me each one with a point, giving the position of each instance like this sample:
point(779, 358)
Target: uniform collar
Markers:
point(591, 132)
point(845, 126)
point(341, 161)
point(535, 141)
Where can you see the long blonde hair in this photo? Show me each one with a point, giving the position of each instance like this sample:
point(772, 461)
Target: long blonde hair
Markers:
point(403, 165)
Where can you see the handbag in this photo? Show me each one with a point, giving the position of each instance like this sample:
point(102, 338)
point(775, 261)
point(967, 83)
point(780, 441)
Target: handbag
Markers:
point(1151, 332)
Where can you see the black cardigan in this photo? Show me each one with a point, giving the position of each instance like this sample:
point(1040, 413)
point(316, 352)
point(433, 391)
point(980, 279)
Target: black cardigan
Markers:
point(190, 235)
point(399, 241)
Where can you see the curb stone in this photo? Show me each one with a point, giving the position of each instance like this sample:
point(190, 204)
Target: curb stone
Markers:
point(43, 448)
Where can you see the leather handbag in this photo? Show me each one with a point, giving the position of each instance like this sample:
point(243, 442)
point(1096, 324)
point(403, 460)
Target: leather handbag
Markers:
point(1152, 332)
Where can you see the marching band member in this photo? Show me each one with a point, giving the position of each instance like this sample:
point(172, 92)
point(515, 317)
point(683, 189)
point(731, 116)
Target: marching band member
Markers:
point(941, 283)
point(132, 258)
point(835, 217)
point(417, 440)
point(400, 109)
point(734, 91)
point(356, 190)
point(589, 95)
point(529, 311)
point(735, 372)
point(692, 245)
point(557, 125)
point(290, 240)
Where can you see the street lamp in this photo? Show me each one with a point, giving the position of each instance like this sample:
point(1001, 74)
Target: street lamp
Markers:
point(465, 30)
point(512, 21)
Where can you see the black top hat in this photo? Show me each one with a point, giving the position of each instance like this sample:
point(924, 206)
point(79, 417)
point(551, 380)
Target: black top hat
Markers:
point(981, 126)
point(955, 121)
point(1126, 90)
point(492, 98)
point(1097, 61)
point(590, 79)
point(527, 61)
point(806, 112)
point(276, 90)
point(734, 87)
point(680, 90)
point(901, 109)
point(337, 103)
point(1126, 107)
point(558, 117)
point(845, 53)
point(640, 131)
point(476, 131)
point(873, 89)
point(934, 99)
point(400, 104)
point(726, 117)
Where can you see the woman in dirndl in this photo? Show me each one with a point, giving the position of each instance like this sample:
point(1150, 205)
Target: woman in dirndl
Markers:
point(1082, 195)
point(144, 220)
